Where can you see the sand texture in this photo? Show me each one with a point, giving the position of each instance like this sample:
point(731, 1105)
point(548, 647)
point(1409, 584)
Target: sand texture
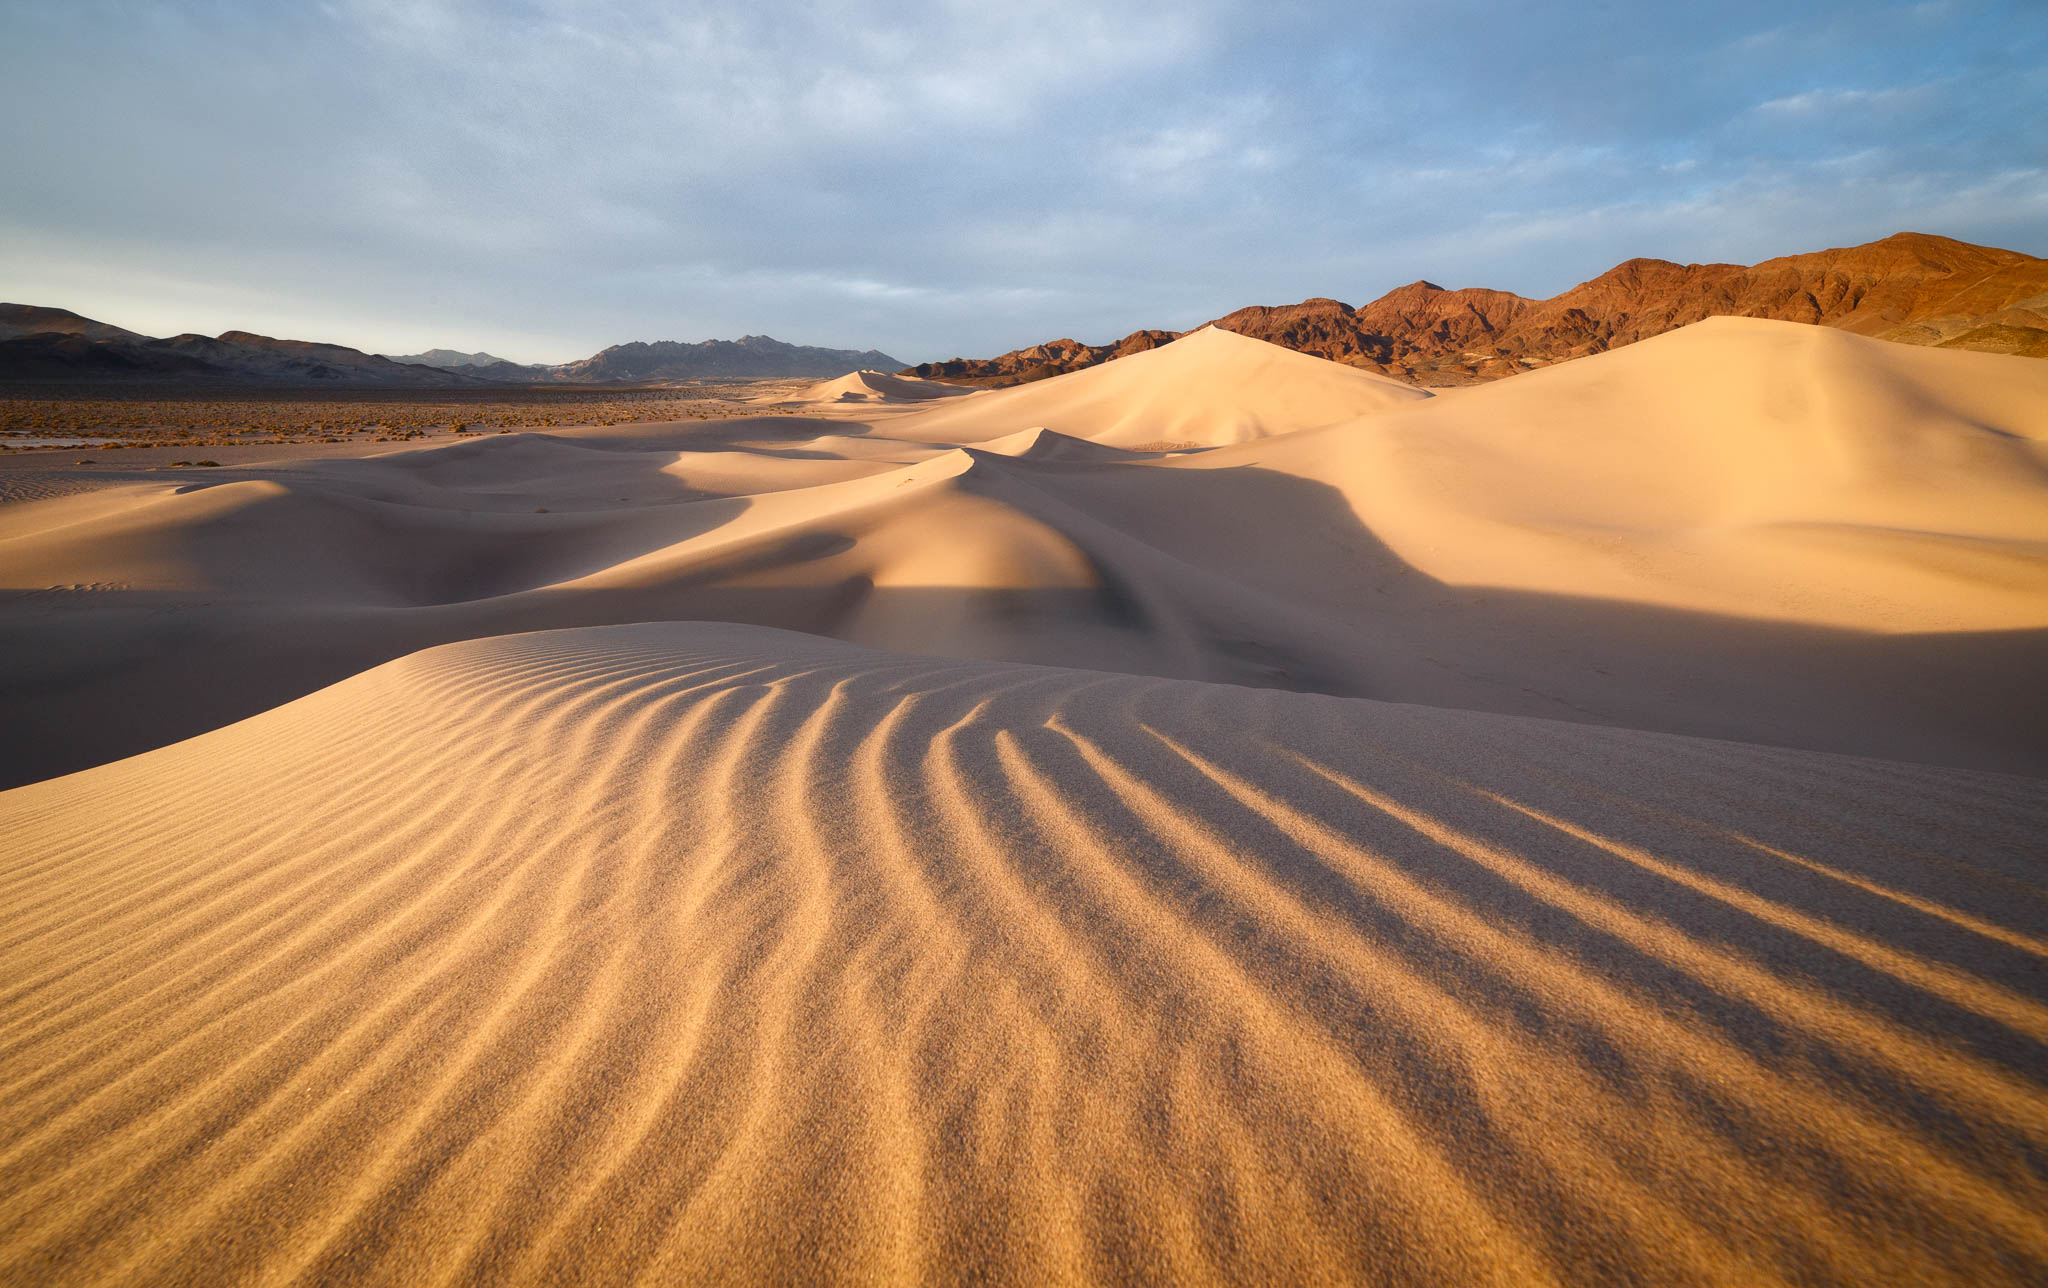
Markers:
point(1750, 530)
point(1218, 816)
point(728, 955)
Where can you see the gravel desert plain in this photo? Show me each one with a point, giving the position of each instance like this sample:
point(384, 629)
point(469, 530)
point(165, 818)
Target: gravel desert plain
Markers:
point(1212, 815)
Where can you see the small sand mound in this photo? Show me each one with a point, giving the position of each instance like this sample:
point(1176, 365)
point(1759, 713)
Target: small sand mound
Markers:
point(878, 387)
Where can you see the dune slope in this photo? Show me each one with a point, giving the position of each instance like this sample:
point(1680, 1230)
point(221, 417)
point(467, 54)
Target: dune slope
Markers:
point(1203, 390)
point(208, 607)
point(1757, 468)
point(715, 953)
point(1749, 530)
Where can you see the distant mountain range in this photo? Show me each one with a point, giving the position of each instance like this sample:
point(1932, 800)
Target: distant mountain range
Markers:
point(450, 358)
point(50, 346)
point(750, 355)
point(1911, 287)
point(44, 345)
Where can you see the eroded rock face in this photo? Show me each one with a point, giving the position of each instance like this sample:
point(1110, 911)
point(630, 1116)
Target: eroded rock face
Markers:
point(1911, 287)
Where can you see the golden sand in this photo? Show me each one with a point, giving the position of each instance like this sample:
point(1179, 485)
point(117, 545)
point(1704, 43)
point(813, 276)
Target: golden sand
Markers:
point(1379, 839)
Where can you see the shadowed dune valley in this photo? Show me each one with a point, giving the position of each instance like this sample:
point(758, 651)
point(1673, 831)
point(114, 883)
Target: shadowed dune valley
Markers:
point(611, 677)
point(1216, 816)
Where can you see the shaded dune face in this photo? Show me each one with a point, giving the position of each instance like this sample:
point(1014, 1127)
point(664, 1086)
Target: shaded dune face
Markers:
point(1748, 529)
point(710, 953)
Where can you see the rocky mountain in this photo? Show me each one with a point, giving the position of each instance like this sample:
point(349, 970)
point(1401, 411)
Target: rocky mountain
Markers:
point(18, 320)
point(46, 346)
point(453, 359)
point(510, 373)
point(1912, 287)
point(232, 358)
point(1052, 358)
point(747, 357)
point(262, 358)
point(57, 357)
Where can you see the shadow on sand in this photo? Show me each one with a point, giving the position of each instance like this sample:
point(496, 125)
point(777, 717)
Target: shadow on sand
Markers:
point(1187, 589)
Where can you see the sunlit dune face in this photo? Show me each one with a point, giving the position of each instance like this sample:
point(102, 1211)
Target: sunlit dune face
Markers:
point(1091, 831)
point(1137, 976)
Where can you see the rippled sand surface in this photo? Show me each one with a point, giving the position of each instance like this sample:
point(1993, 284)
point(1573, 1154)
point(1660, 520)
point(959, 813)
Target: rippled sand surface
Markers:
point(708, 953)
point(1214, 817)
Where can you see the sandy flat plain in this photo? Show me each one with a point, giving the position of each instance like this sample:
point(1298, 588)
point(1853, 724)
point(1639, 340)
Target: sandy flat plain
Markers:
point(1219, 816)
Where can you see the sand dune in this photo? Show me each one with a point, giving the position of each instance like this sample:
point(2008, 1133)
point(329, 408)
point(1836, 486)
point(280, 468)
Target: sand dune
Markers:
point(1746, 529)
point(877, 387)
point(1738, 466)
point(710, 953)
point(549, 920)
point(1203, 390)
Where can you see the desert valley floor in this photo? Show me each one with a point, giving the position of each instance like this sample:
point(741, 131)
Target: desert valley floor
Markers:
point(1217, 816)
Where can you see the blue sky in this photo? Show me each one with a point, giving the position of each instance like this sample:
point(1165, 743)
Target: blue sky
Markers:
point(541, 178)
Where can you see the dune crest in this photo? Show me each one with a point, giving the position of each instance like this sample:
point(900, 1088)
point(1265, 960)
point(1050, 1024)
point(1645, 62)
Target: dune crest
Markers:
point(1203, 390)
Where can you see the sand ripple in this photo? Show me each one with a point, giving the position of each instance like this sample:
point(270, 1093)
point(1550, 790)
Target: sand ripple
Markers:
point(708, 953)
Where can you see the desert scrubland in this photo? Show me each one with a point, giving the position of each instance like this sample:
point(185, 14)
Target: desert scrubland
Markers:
point(37, 420)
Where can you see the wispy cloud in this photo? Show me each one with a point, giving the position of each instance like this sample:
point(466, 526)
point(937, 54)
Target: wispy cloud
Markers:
point(1818, 101)
point(946, 176)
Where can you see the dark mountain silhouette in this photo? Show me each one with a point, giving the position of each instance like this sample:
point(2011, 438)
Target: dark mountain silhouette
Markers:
point(748, 356)
point(55, 346)
point(89, 352)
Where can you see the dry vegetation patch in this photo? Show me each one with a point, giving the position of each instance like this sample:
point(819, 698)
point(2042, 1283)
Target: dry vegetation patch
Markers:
point(62, 420)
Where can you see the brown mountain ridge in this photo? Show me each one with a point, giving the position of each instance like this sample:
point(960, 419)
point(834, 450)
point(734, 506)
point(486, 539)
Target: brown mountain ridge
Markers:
point(1911, 287)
